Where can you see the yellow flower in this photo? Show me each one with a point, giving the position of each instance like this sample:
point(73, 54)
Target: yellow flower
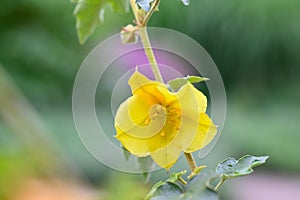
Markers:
point(163, 124)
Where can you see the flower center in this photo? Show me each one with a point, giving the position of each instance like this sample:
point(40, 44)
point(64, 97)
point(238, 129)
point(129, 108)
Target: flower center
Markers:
point(174, 117)
point(157, 111)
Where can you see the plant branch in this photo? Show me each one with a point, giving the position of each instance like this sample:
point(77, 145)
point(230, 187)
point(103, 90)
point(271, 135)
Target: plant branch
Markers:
point(191, 161)
point(150, 55)
point(141, 23)
point(135, 10)
point(152, 10)
point(222, 180)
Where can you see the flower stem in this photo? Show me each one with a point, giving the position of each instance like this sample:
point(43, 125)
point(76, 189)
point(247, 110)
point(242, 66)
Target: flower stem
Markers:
point(149, 14)
point(150, 55)
point(222, 180)
point(142, 27)
point(142, 23)
point(135, 10)
point(182, 180)
point(191, 161)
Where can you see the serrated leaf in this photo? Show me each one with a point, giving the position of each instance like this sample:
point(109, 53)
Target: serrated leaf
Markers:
point(231, 168)
point(186, 2)
point(89, 14)
point(164, 191)
point(196, 189)
point(144, 4)
point(120, 6)
point(200, 186)
point(177, 83)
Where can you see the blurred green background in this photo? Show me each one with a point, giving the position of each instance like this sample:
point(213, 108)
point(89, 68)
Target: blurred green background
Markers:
point(255, 44)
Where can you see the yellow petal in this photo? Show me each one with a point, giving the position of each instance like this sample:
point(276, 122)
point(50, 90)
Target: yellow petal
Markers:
point(182, 128)
point(138, 80)
point(132, 118)
point(154, 91)
point(142, 146)
point(190, 103)
point(165, 96)
point(132, 112)
point(199, 101)
point(166, 157)
point(136, 146)
point(190, 112)
point(206, 132)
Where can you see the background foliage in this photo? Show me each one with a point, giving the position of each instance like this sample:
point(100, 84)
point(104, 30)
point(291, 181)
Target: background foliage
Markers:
point(254, 43)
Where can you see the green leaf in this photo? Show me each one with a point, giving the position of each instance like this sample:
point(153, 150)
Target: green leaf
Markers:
point(231, 168)
point(170, 190)
point(197, 189)
point(89, 14)
point(164, 191)
point(201, 186)
point(196, 79)
point(177, 83)
point(119, 6)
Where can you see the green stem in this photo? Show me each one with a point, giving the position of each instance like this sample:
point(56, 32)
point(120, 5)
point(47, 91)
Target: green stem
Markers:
point(149, 52)
point(191, 161)
point(135, 10)
point(219, 184)
point(182, 180)
point(141, 23)
point(152, 61)
point(149, 14)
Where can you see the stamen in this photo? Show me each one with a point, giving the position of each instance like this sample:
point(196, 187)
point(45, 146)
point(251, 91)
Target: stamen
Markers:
point(147, 120)
point(159, 108)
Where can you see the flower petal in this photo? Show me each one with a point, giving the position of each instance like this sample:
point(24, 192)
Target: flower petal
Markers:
point(188, 103)
point(154, 91)
point(205, 134)
point(136, 146)
point(142, 146)
point(133, 119)
point(199, 99)
point(166, 157)
point(132, 112)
